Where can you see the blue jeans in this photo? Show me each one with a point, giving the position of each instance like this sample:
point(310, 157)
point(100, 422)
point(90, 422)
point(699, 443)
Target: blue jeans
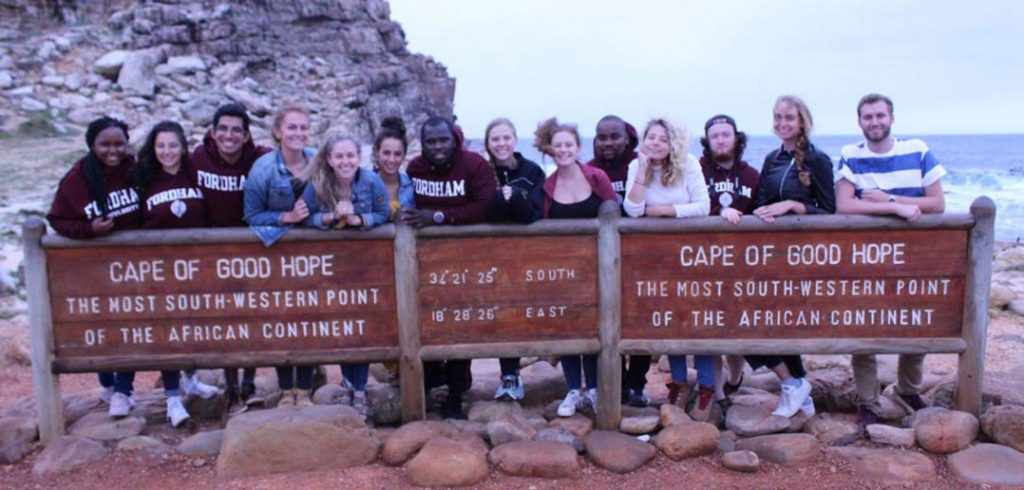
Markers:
point(357, 374)
point(571, 368)
point(122, 382)
point(705, 369)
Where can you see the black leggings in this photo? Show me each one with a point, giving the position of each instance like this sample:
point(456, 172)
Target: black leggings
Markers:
point(794, 363)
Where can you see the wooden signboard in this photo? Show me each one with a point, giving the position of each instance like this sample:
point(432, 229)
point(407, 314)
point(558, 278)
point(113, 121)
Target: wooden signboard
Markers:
point(507, 289)
point(222, 298)
point(813, 284)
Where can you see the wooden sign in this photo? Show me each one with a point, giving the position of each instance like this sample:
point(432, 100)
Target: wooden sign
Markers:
point(824, 284)
point(222, 298)
point(507, 289)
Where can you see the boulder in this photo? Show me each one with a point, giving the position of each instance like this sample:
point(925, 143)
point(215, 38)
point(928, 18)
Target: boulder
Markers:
point(560, 435)
point(745, 461)
point(136, 75)
point(946, 431)
point(330, 394)
point(409, 438)
point(447, 463)
point(212, 408)
point(617, 452)
point(66, 453)
point(295, 439)
point(109, 65)
point(177, 65)
point(6, 81)
point(16, 437)
point(688, 441)
point(1005, 424)
point(749, 421)
point(1000, 295)
point(578, 424)
point(385, 403)
point(145, 444)
point(256, 105)
point(988, 464)
point(673, 415)
point(100, 426)
point(639, 425)
point(783, 449)
point(541, 459)
point(510, 428)
point(486, 411)
point(831, 430)
point(202, 444)
point(888, 465)
point(891, 436)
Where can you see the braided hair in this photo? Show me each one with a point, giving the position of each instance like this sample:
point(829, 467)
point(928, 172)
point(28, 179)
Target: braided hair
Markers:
point(802, 141)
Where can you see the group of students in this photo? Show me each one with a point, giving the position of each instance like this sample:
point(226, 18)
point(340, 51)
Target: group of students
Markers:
point(229, 181)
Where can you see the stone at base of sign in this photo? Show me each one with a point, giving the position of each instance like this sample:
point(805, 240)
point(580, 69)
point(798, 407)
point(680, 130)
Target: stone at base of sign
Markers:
point(405, 442)
point(946, 431)
point(295, 439)
point(485, 411)
point(831, 430)
point(745, 461)
point(617, 452)
point(16, 436)
point(445, 462)
point(100, 426)
point(205, 444)
point(146, 444)
point(640, 425)
point(891, 436)
point(989, 464)
point(1005, 425)
point(560, 435)
point(784, 449)
point(541, 459)
point(385, 403)
point(688, 441)
point(66, 453)
point(510, 428)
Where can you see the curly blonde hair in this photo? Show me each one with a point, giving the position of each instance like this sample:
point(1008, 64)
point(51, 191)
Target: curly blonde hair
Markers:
point(673, 168)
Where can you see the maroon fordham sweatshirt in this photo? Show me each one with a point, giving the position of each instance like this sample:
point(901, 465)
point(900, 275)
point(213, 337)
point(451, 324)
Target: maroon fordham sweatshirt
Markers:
point(73, 210)
point(173, 201)
point(462, 191)
point(222, 182)
point(734, 188)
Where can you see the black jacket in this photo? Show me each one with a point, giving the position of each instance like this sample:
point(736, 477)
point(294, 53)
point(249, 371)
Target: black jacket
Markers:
point(527, 182)
point(780, 181)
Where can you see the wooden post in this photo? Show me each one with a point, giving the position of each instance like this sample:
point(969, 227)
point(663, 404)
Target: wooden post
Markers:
point(609, 367)
point(970, 375)
point(40, 323)
point(408, 303)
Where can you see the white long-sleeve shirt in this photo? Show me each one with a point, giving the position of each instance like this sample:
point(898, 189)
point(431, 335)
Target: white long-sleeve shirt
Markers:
point(689, 196)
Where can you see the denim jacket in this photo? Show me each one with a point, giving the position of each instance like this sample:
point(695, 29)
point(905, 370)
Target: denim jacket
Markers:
point(406, 196)
point(369, 198)
point(268, 195)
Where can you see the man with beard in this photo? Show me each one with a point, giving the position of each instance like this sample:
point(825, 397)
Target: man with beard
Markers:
point(219, 167)
point(615, 143)
point(887, 176)
point(451, 186)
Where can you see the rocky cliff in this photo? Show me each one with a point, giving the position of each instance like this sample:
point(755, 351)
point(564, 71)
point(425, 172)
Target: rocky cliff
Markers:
point(68, 61)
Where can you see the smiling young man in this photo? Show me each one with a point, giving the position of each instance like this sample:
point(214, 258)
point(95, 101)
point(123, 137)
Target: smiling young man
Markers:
point(451, 186)
point(884, 175)
point(220, 165)
point(615, 144)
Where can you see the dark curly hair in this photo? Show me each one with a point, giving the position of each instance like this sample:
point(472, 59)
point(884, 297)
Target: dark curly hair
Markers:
point(148, 165)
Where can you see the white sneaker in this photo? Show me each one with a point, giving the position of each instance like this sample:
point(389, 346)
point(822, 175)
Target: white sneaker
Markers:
point(590, 399)
point(573, 399)
point(105, 393)
point(808, 407)
point(792, 398)
point(120, 405)
point(176, 412)
point(195, 387)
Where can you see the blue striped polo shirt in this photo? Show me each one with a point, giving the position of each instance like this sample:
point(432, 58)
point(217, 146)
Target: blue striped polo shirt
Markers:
point(905, 170)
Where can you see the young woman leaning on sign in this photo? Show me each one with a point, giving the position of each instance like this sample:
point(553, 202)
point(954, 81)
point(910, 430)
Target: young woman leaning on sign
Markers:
point(171, 199)
point(795, 179)
point(342, 195)
point(273, 205)
point(665, 180)
point(519, 197)
point(573, 191)
point(94, 198)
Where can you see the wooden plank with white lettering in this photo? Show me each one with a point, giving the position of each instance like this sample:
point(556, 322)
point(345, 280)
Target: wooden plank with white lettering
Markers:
point(222, 298)
point(508, 289)
point(814, 284)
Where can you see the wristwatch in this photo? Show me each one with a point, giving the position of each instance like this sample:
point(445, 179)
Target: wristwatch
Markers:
point(438, 217)
point(892, 198)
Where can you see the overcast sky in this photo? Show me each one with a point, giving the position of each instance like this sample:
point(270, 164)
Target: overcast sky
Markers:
point(951, 66)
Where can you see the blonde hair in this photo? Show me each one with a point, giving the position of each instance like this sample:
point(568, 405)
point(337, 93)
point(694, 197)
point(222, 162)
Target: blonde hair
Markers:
point(546, 131)
point(673, 168)
point(287, 107)
point(498, 121)
point(802, 141)
point(321, 176)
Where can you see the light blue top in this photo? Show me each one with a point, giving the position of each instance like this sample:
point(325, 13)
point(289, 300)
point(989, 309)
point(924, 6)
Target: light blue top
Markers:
point(268, 195)
point(369, 198)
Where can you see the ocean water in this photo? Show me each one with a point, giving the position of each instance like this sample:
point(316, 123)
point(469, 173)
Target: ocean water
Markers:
point(978, 165)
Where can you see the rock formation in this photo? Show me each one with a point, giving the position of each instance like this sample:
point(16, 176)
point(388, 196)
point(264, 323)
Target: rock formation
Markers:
point(70, 61)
